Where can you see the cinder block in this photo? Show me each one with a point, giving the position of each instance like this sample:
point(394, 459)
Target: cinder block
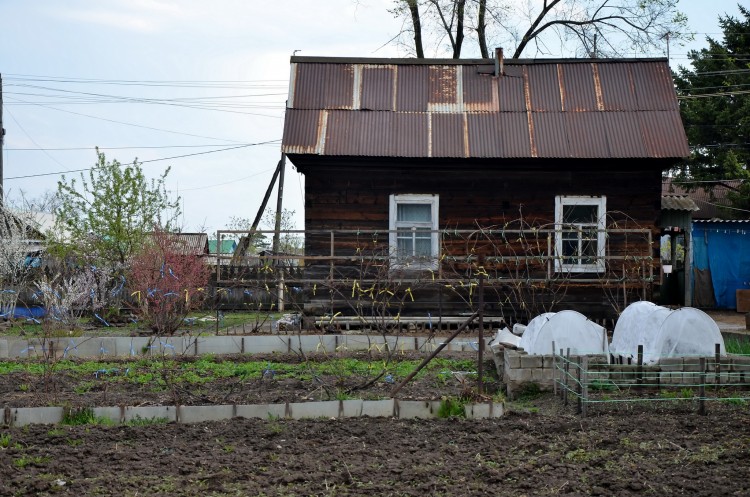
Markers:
point(518, 375)
point(303, 410)
point(531, 361)
point(114, 414)
point(548, 361)
point(198, 414)
point(691, 364)
point(219, 345)
point(94, 347)
point(262, 411)
point(378, 408)
point(151, 412)
point(512, 359)
point(671, 364)
point(19, 349)
point(266, 344)
point(541, 376)
point(22, 416)
point(428, 344)
point(350, 408)
point(3, 349)
point(358, 342)
point(484, 410)
point(410, 409)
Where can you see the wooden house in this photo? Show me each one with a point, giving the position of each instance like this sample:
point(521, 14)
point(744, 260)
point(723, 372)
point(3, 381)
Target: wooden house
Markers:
point(541, 176)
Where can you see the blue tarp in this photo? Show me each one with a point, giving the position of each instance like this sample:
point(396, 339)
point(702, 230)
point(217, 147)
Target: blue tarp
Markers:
point(724, 248)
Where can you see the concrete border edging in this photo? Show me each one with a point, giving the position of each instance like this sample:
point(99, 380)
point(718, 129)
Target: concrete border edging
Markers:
point(335, 409)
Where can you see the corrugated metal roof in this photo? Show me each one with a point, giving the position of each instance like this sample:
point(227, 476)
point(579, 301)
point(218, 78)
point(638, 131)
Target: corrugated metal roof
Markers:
point(678, 203)
point(711, 198)
point(575, 108)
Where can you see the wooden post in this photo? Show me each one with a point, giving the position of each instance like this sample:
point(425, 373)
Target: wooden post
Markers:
point(554, 369)
point(584, 371)
point(717, 366)
point(702, 388)
point(567, 373)
point(480, 318)
point(639, 372)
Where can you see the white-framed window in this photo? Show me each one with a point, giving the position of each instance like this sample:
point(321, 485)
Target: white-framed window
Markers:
point(413, 225)
point(579, 233)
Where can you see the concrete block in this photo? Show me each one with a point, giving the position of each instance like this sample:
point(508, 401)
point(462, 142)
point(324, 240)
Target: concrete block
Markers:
point(740, 363)
point(671, 364)
point(541, 376)
point(151, 412)
point(198, 414)
point(266, 344)
point(133, 347)
point(484, 410)
point(262, 411)
point(423, 409)
point(378, 408)
point(428, 345)
point(114, 414)
point(518, 375)
point(598, 359)
point(22, 416)
point(94, 347)
point(691, 364)
point(3, 349)
point(738, 377)
point(19, 349)
point(547, 361)
point(531, 361)
point(350, 408)
point(512, 359)
point(356, 342)
point(317, 343)
point(219, 345)
point(303, 410)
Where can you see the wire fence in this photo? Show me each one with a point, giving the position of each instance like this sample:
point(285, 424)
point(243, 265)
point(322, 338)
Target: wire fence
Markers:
point(591, 381)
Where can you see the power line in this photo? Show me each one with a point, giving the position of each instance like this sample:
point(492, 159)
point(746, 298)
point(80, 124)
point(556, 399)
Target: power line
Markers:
point(145, 161)
point(62, 149)
point(133, 124)
point(221, 184)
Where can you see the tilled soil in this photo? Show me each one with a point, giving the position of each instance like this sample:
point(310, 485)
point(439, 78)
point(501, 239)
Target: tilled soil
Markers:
point(552, 452)
point(115, 387)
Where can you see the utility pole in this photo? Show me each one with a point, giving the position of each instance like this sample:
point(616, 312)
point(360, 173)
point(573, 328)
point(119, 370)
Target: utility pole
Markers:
point(2, 140)
point(276, 233)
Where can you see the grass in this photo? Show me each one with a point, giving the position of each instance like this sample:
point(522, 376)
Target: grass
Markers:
point(737, 346)
point(451, 408)
point(155, 373)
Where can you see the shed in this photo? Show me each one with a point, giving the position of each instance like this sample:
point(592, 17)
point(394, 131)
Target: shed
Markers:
point(551, 169)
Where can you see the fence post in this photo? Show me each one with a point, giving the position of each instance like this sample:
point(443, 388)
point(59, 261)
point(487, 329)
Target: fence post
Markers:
point(717, 365)
point(639, 372)
point(584, 371)
point(702, 387)
point(566, 373)
point(554, 368)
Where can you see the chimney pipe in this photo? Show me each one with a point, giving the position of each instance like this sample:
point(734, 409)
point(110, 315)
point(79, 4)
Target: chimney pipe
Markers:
point(499, 61)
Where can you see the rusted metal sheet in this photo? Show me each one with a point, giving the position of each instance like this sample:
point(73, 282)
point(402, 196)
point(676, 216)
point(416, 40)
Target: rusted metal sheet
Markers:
point(301, 131)
point(479, 90)
point(324, 86)
point(586, 133)
point(618, 109)
point(660, 135)
point(550, 134)
point(624, 134)
point(411, 88)
point(377, 88)
point(376, 134)
point(447, 135)
point(443, 87)
point(511, 91)
point(579, 93)
point(544, 88)
point(617, 89)
point(654, 88)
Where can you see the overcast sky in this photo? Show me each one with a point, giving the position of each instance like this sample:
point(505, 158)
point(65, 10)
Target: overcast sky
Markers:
point(218, 71)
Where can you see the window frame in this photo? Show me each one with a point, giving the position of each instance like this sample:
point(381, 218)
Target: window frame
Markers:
point(599, 265)
point(414, 262)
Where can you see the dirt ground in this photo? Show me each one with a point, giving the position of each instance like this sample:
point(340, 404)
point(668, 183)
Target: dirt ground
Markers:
point(550, 452)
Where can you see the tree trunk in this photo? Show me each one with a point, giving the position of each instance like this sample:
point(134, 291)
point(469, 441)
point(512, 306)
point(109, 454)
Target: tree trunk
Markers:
point(481, 36)
point(416, 22)
point(460, 4)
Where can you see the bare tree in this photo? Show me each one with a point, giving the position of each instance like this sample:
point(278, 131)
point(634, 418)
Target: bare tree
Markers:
point(592, 28)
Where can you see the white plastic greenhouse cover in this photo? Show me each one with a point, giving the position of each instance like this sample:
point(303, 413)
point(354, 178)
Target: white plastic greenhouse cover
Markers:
point(665, 332)
point(568, 329)
point(532, 330)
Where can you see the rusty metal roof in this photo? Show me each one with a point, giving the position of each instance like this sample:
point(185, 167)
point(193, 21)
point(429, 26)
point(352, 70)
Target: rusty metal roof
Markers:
point(564, 108)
